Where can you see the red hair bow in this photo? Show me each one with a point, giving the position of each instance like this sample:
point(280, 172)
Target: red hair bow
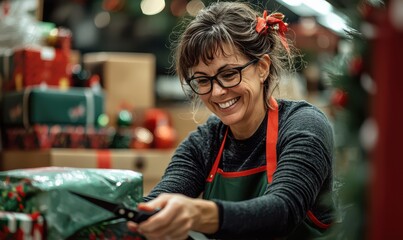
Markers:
point(275, 22)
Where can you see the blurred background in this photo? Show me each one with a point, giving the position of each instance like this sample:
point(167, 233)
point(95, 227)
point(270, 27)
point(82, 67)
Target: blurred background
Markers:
point(352, 58)
point(147, 27)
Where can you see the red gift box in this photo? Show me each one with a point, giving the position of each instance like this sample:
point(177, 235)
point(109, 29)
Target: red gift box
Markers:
point(40, 65)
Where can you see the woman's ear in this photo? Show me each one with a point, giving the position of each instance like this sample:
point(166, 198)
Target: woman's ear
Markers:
point(264, 67)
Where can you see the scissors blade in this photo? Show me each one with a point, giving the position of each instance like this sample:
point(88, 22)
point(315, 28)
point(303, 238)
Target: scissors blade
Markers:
point(119, 210)
point(112, 207)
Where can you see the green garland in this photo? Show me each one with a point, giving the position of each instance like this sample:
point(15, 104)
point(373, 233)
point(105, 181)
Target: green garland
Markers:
point(351, 103)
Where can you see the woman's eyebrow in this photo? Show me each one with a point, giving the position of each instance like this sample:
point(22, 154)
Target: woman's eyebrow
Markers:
point(219, 70)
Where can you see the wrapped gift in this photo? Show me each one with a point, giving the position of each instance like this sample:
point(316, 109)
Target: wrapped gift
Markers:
point(44, 105)
point(22, 226)
point(50, 191)
point(39, 136)
point(36, 65)
point(115, 229)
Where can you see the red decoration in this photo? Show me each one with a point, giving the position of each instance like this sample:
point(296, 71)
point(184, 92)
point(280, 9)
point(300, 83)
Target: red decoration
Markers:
point(356, 66)
point(159, 123)
point(112, 5)
point(165, 136)
point(339, 98)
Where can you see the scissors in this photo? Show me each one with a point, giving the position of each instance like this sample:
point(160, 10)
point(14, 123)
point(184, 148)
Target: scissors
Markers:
point(134, 215)
point(119, 210)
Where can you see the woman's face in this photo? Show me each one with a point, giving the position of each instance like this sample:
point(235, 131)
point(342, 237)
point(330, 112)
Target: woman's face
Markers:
point(239, 105)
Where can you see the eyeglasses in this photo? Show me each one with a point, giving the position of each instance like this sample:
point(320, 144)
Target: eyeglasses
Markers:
point(227, 78)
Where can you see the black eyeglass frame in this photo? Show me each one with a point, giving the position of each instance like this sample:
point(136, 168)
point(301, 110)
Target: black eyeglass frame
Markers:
point(212, 78)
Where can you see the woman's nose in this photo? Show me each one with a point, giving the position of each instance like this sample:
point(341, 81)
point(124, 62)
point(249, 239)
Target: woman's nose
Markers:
point(218, 89)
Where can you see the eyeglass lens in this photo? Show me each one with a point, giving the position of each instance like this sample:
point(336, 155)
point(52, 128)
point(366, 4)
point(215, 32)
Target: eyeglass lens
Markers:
point(226, 79)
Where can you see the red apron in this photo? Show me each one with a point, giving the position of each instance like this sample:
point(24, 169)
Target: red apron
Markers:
point(252, 183)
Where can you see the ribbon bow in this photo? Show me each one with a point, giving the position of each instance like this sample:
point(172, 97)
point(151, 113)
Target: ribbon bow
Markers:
point(275, 22)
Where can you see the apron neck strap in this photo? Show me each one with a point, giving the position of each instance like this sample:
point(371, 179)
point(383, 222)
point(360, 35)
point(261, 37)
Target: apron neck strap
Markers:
point(217, 159)
point(271, 143)
point(271, 140)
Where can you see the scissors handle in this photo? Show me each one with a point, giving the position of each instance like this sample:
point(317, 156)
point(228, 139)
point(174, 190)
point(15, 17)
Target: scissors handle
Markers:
point(137, 216)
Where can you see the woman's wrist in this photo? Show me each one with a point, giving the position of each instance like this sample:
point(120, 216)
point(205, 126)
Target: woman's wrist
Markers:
point(208, 216)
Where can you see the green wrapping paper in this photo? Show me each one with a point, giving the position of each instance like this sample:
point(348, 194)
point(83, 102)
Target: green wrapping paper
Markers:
point(46, 105)
point(48, 191)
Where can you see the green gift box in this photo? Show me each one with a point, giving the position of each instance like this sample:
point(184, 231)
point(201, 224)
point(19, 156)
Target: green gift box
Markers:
point(45, 105)
point(49, 191)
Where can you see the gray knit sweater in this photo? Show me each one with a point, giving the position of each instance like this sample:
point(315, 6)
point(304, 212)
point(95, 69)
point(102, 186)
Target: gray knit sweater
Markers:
point(301, 182)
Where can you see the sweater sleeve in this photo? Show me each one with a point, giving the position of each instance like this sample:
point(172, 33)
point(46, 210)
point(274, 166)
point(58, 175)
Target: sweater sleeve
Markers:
point(190, 163)
point(304, 164)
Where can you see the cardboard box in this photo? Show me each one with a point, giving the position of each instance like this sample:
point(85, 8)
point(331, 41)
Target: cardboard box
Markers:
point(75, 57)
point(183, 120)
point(128, 79)
point(151, 163)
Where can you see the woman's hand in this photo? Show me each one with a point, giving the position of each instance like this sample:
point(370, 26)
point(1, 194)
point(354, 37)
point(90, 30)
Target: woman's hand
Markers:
point(178, 215)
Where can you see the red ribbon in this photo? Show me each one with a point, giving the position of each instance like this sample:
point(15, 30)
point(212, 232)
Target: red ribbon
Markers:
point(275, 22)
point(104, 159)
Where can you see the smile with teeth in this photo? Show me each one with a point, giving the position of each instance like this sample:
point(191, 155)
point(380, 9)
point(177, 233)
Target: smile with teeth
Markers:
point(229, 103)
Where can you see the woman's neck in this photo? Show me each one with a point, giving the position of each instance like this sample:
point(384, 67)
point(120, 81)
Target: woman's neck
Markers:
point(249, 126)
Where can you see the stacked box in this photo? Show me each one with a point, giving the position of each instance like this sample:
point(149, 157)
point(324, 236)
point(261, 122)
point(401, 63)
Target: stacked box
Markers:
point(44, 105)
point(127, 78)
point(49, 192)
point(41, 136)
point(36, 90)
point(33, 66)
point(43, 117)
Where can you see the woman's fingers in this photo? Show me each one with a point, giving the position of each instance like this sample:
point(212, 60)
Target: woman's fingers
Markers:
point(132, 226)
point(174, 219)
point(160, 221)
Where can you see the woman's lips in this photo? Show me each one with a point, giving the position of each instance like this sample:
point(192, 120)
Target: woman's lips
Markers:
point(228, 104)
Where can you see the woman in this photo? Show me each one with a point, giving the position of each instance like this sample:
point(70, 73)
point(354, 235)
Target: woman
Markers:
point(262, 166)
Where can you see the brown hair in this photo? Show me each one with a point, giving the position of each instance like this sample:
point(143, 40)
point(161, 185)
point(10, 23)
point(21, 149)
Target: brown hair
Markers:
point(232, 24)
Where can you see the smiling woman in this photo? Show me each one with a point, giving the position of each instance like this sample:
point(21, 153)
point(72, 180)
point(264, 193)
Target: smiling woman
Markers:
point(237, 94)
point(263, 166)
